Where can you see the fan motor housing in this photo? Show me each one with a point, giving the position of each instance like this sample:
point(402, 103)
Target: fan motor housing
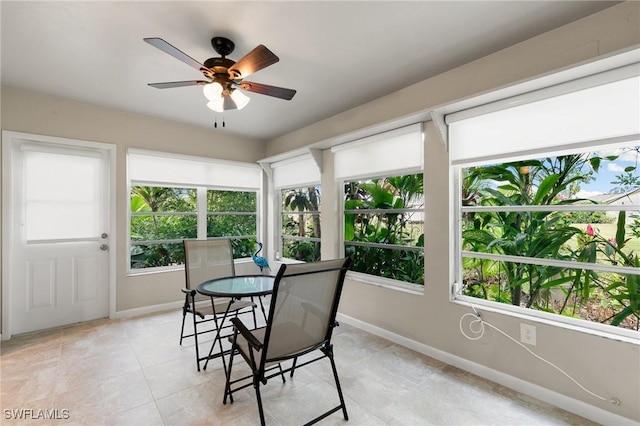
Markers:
point(219, 65)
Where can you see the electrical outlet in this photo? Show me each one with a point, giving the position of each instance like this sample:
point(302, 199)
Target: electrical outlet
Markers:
point(528, 334)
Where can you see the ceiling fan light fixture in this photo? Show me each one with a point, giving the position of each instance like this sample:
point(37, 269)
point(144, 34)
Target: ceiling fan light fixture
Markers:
point(212, 91)
point(240, 99)
point(215, 93)
point(217, 105)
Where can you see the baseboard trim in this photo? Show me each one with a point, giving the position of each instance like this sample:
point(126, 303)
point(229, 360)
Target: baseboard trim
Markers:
point(564, 402)
point(145, 310)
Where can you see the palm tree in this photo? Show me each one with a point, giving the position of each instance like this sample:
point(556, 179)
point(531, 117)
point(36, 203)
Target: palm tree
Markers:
point(300, 200)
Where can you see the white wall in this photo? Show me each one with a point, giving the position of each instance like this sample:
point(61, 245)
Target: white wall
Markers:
point(35, 113)
point(604, 365)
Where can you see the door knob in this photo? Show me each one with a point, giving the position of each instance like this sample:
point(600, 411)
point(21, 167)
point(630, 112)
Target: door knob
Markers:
point(104, 235)
point(104, 247)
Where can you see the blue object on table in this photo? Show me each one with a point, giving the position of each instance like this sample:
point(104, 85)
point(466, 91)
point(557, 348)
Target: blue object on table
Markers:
point(259, 260)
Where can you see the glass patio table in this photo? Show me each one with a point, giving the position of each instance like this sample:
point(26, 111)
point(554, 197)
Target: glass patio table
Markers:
point(234, 288)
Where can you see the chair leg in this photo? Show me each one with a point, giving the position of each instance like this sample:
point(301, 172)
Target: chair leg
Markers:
point(293, 366)
point(184, 315)
point(256, 385)
point(195, 338)
point(335, 376)
point(227, 386)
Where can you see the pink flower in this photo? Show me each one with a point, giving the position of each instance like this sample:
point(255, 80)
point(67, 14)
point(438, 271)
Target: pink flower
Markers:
point(590, 230)
point(612, 241)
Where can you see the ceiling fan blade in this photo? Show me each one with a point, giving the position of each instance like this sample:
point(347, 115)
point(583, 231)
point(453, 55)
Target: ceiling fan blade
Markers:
point(170, 84)
point(265, 89)
point(173, 51)
point(257, 59)
point(228, 103)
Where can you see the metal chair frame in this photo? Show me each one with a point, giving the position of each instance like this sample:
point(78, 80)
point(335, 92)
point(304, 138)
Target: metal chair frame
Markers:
point(256, 357)
point(220, 308)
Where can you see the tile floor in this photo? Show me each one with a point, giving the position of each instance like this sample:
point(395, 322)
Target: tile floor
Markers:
point(133, 372)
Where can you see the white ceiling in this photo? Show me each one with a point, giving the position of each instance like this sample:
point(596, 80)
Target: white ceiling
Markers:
point(337, 55)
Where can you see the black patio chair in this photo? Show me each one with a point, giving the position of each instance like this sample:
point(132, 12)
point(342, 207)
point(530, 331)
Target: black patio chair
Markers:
point(301, 319)
point(205, 260)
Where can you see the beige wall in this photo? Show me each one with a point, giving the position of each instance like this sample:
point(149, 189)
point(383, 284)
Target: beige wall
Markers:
point(35, 113)
point(605, 366)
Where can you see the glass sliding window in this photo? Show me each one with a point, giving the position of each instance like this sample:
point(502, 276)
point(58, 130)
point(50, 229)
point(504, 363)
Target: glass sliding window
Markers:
point(233, 214)
point(161, 217)
point(384, 226)
point(548, 190)
point(301, 223)
point(173, 198)
point(555, 233)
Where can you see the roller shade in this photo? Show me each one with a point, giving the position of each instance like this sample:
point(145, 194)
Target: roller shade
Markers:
point(161, 168)
point(608, 111)
point(398, 150)
point(295, 172)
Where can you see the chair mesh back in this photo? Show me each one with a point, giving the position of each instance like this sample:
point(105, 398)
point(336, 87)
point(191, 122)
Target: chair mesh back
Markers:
point(207, 259)
point(302, 311)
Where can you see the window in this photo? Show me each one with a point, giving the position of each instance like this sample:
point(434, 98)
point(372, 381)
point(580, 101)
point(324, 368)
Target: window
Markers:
point(384, 227)
point(161, 218)
point(301, 223)
point(382, 184)
point(52, 210)
point(174, 198)
point(554, 229)
point(296, 182)
point(233, 214)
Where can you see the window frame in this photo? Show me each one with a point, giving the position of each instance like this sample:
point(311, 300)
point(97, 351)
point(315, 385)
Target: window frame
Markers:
point(281, 236)
point(164, 169)
point(376, 280)
point(201, 215)
point(208, 214)
point(457, 254)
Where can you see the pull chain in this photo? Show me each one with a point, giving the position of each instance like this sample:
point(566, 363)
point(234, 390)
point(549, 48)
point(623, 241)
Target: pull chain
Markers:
point(215, 121)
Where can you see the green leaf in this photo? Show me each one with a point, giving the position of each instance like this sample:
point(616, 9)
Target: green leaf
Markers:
point(620, 231)
point(620, 316)
point(595, 163)
point(545, 187)
point(557, 282)
point(629, 169)
point(349, 227)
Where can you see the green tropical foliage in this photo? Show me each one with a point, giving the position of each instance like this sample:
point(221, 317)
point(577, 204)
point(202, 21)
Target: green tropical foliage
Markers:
point(377, 241)
point(301, 218)
point(544, 235)
point(162, 217)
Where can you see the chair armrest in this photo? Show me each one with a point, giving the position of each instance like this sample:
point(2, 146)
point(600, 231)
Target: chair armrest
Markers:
point(188, 291)
point(251, 339)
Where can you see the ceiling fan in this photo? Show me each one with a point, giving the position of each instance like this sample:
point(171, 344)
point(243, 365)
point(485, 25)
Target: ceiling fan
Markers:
point(224, 76)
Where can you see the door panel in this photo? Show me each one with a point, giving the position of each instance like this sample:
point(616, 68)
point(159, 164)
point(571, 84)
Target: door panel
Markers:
point(59, 274)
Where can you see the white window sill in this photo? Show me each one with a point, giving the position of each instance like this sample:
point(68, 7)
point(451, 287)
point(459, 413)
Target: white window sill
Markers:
point(155, 270)
point(554, 320)
point(164, 269)
point(391, 284)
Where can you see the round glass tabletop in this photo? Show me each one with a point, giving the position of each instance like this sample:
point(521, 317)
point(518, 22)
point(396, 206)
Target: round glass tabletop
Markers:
point(240, 286)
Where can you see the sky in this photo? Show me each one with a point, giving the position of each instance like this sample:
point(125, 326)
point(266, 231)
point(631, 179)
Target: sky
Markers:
point(609, 170)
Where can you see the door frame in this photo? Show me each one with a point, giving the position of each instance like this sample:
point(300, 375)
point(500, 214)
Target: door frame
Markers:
point(8, 140)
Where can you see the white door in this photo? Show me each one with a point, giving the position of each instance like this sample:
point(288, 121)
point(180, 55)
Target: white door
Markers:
point(59, 232)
